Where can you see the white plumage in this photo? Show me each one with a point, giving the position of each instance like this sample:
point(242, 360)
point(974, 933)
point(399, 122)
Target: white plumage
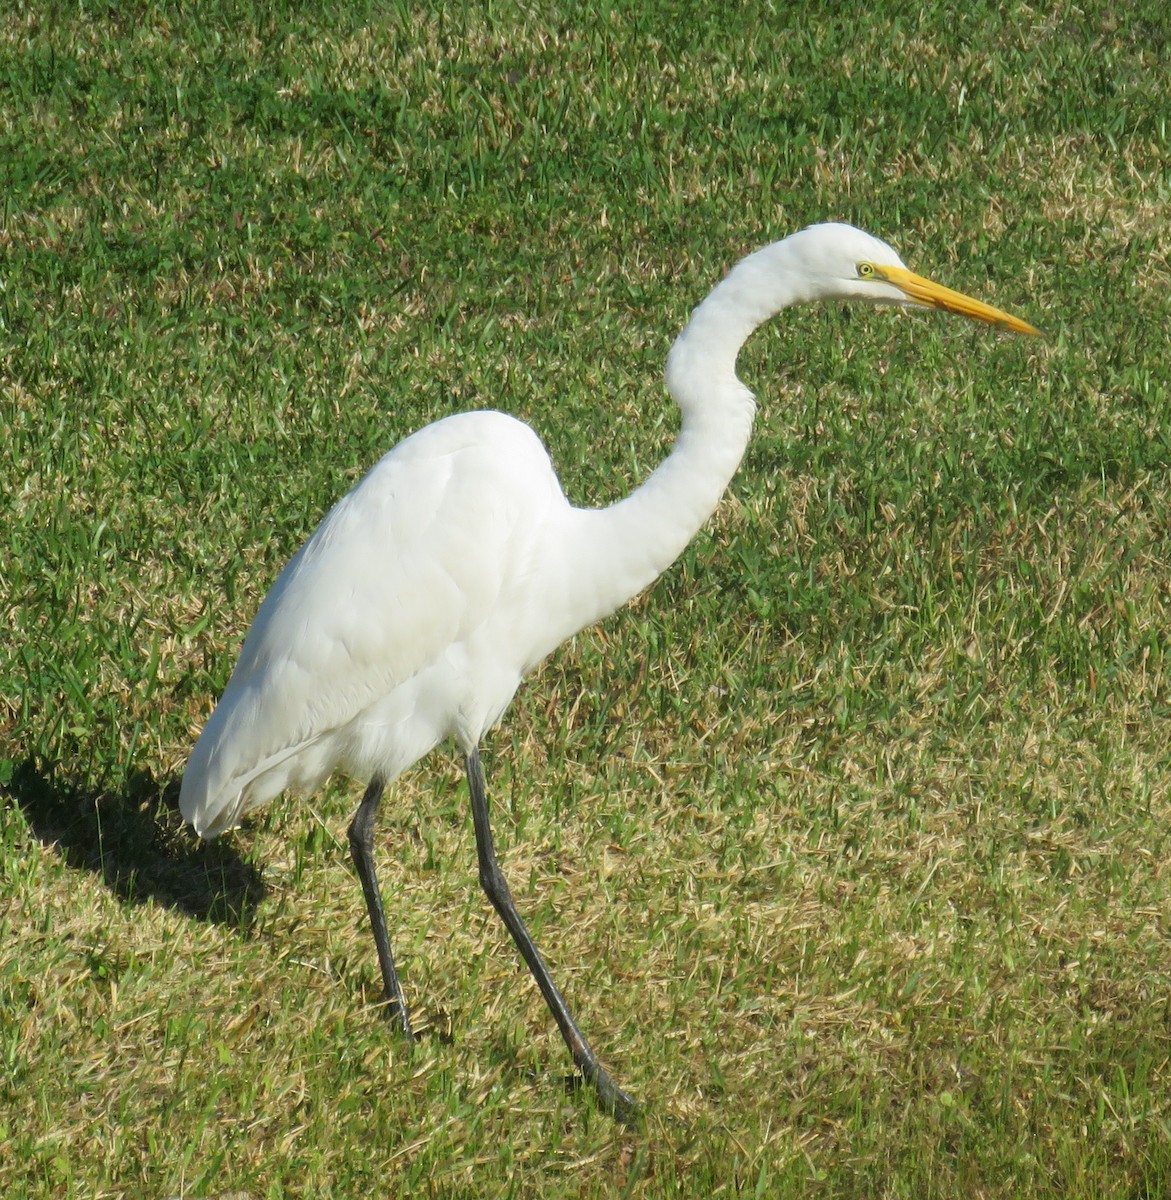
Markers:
point(401, 622)
point(456, 564)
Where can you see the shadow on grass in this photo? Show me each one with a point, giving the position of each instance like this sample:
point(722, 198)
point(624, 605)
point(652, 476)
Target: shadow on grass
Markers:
point(136, 842)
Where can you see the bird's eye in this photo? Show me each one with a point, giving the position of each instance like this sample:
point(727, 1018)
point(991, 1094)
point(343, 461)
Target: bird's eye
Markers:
point(865, 270)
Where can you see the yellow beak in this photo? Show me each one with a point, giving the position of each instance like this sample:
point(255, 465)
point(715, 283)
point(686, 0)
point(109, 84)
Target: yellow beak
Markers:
point(934, 295)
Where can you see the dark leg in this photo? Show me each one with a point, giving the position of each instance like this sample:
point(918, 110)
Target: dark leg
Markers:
point(610, 1096)
point(361, 843)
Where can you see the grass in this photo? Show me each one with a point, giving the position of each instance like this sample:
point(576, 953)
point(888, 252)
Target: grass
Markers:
point(847, 840)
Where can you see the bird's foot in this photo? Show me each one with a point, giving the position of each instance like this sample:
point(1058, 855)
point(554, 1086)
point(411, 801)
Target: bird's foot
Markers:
point(395, 1011)
point(623, 1107)
point(612, 1100)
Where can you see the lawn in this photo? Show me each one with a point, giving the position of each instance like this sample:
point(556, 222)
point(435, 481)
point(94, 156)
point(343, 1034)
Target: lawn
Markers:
point(847, 841)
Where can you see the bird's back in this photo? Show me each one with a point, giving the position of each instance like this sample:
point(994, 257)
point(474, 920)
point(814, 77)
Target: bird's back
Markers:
point(386, 632)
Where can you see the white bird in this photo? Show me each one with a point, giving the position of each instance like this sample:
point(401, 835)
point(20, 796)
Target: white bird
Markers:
point(457, 564)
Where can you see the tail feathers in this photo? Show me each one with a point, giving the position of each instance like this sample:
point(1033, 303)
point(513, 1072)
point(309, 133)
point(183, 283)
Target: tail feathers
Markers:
point(215, 795)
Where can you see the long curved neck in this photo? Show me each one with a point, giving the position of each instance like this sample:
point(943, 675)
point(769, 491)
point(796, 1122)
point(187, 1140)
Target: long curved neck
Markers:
point(629, 544)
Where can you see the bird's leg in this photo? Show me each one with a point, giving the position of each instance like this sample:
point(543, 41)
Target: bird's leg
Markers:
point(361, 850)
point(610, 1096)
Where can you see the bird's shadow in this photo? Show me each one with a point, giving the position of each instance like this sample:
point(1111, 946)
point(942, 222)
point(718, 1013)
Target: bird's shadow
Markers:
point(133, 839)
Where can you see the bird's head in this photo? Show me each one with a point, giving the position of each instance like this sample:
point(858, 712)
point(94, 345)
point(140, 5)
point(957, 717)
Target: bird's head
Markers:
point(844, 263)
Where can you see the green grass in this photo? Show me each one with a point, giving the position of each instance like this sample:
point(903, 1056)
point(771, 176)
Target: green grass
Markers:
point(847, 841)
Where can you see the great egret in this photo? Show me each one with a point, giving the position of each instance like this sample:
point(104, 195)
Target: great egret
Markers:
point(457, 564)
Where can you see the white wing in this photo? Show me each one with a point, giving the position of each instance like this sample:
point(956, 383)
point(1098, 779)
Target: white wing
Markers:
point(402, 571)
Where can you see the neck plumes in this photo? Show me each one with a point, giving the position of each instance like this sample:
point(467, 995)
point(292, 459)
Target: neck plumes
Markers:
point(629, 544)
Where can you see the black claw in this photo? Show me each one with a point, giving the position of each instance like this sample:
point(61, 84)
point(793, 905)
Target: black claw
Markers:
point(620, 1105)
point(396, 1012)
